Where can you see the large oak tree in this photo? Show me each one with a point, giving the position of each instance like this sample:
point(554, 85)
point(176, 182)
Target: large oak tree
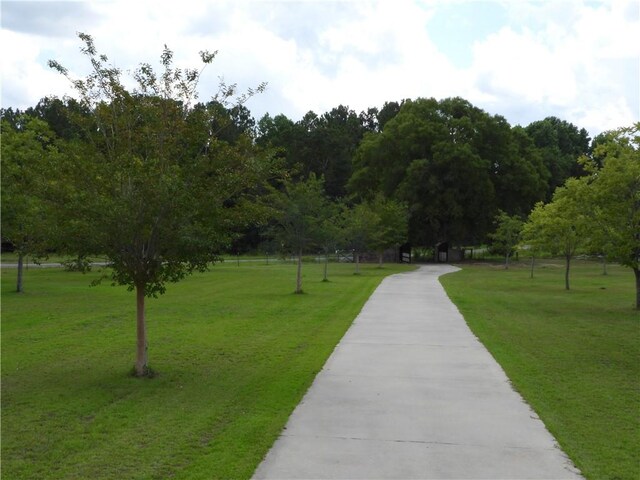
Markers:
point(454, 165)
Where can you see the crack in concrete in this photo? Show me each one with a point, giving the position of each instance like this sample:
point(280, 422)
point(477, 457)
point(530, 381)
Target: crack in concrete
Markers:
point(421, 442)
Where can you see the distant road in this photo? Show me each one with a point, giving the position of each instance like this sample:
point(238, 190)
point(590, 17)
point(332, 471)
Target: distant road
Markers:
point(47, 265)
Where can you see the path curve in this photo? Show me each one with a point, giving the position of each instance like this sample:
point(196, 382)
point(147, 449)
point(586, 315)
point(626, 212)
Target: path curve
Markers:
point(410, 392)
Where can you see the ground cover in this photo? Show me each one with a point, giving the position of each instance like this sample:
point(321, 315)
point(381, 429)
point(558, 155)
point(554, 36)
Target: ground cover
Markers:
point(234, 352)
point(573, 355)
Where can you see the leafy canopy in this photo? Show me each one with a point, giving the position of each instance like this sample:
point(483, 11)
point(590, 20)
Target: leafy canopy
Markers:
point(153, 189)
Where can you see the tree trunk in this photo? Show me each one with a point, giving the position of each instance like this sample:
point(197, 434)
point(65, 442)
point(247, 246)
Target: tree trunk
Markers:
point(380, 255)
point(141, 352)
point(299, 274)
point(19, 288)
point(357, 254)
point(636, 271)
point(326, 267)
point(604, 265)
point(566, 272)
point(533, 260)
point(506, 262)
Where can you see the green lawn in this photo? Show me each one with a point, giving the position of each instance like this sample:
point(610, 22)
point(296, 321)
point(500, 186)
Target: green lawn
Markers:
point(574, 356)
point(234, 349)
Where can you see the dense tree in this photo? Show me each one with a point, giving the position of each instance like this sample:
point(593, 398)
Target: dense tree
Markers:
point(424, 157)
point(381, 161)
point(560, 144)
point(62, 116)
point(11, 118)
point(26, 152)
point(369, 119)
point(388, 111)
point(518, 174)
point(322, 145)
point(154, 189)
point(339, 134)
point(229, 124)
point(454, 165)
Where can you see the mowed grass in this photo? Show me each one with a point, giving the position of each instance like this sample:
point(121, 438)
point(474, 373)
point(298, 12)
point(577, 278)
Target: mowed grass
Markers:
point(234, 350)
point(573, 355)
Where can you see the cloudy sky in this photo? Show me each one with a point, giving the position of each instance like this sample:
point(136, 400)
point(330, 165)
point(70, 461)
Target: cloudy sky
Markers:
point(525, 60)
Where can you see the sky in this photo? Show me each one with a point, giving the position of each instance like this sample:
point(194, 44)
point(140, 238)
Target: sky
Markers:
point(523, 60)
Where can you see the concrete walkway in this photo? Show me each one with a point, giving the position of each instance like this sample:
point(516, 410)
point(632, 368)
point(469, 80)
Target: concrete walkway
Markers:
point(409, 392)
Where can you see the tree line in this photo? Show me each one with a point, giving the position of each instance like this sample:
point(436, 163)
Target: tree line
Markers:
point(162, 184)
point(454, 165)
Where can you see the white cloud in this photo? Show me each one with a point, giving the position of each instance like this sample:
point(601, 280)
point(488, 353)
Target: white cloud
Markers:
point(579, 64)
point(383, 53)
point(520, 66)
point(574, 60)
point(24, 74)
point(612, 114)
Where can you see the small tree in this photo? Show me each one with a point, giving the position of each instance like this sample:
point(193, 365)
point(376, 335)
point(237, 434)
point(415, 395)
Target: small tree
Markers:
point(615, 199)
point(329, 234)
point(507, 235)
point(300, 210)
point(359, 229)
point(392, 227)
point(153, 189)
point(25, 153)
point(530, 240)
point(561, 226)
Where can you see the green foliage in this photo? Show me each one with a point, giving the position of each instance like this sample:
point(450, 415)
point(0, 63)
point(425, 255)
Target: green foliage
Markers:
point(234, 352)
point(520, 176)
point(615, 196)
point(507, 235)
point(454, 165)
point(574, 356)
point(359, 227)
point(157, 208)
point(373, 225)
point(301, 213)
point(24, 155)
point(320, 145)
point(599, 212)
point(561, 227)
point(299, 209)
point(560, 144)
point(26, 150)
point(392, 227)
point(153, 189)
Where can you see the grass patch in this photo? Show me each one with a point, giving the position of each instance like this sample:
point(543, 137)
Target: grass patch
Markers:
point(234, 351)
point(573, 355)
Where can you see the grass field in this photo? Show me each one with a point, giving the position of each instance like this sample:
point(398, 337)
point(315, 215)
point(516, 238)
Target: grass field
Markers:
point(234, 349)
point(573, 355)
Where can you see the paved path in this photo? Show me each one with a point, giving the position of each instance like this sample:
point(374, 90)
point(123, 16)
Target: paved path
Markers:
point(409, 392)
